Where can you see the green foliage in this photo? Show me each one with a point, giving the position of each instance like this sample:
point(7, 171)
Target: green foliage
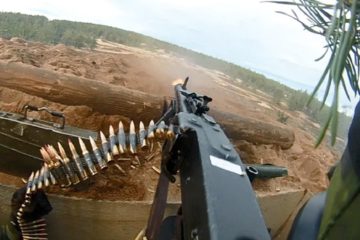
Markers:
point(278, 96)
point(297, 100)
point(282, 117)
point(340, 26)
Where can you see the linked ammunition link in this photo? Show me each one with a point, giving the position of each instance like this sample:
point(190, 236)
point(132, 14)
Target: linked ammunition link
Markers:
point(65, 171)
point(35, 229)
point(59, 169)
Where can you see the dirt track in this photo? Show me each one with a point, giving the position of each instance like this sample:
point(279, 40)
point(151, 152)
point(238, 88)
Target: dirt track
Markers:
point(153, 72)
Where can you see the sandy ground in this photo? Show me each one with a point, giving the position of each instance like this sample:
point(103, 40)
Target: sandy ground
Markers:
point(153, 72)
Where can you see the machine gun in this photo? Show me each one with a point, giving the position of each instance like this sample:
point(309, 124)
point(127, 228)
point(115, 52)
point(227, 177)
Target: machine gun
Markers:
point(218, 201)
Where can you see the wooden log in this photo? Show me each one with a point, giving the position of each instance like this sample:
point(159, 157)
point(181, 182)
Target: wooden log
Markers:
point(242, 128)
point(73, 91)
point(109, 99)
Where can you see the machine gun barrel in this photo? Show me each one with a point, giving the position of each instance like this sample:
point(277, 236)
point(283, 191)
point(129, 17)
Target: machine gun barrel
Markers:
point(268, 170)
point(180, 103)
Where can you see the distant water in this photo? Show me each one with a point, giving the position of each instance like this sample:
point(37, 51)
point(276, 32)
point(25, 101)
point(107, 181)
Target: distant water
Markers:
point(309, 88)
point(290, 83)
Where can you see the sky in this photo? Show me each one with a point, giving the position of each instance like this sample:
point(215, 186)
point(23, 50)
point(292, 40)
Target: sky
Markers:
point(248, 33)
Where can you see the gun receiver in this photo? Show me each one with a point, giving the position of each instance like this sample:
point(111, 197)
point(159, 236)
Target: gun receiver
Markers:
point(218, 201)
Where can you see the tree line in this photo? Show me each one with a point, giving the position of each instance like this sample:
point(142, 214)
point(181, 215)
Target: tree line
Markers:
point(84, 35)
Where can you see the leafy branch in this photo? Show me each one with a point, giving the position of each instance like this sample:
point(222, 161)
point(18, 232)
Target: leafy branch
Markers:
point(339, 24)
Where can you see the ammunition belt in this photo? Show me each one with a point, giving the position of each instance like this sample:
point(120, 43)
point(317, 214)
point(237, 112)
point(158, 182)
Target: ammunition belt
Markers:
point(35, 229)
point(65, 171)
point(59, 169)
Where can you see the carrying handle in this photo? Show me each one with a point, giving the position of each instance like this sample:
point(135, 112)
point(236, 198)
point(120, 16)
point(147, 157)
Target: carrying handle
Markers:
point(53, 113)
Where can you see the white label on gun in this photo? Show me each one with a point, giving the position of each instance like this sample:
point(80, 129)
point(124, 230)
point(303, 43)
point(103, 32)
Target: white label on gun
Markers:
point(226, 165)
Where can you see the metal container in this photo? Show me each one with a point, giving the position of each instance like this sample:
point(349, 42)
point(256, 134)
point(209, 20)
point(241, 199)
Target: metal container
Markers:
point(22, 137)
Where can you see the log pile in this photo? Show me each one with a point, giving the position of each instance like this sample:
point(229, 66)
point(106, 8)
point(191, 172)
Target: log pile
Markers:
point(110, 99)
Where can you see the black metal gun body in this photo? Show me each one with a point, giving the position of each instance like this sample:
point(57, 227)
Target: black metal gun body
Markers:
point(218, 201)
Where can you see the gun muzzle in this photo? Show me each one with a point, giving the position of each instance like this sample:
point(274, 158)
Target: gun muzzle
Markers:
point(269, 170)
